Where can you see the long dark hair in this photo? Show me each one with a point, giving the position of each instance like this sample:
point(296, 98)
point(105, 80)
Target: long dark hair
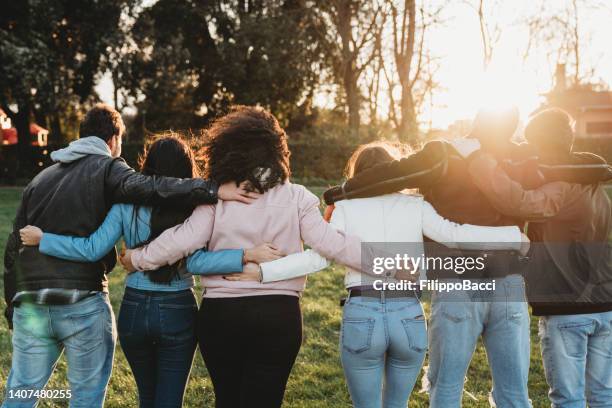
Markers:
point(247, 144)
point(171, 156)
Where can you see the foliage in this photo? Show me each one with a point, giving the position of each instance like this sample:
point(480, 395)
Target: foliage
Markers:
point(52, 52)
point(221, 52)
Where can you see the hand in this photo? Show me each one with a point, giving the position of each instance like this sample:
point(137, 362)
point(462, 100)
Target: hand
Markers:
point(30, 235)
point(250, 272)
point(465, 147)
point(232, 192)
point(126, 261)
point(333, 194)
point(329, 210)
point(262, 253)
point(525, 244)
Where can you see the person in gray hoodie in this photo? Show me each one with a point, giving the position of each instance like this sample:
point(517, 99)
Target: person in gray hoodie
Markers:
point(55, 305)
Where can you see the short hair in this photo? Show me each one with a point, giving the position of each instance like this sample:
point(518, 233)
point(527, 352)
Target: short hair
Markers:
point(102, 121)
point(551, 129)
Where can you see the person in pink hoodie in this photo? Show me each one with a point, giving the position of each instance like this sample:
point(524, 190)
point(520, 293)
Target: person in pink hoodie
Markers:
point(249, 332)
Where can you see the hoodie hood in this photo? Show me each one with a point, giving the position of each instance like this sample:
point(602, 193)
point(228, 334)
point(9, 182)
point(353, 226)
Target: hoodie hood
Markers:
point(80, 148)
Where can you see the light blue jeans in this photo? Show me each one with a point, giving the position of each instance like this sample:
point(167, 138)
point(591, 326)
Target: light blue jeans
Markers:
point(383, 345)
point(86, 330)
point(458, 319)
point(577, 355)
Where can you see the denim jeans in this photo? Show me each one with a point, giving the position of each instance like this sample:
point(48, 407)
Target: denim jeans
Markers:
point(577, 355)
point(157, 335)
point(458, 319)
point(85, 330)
point(383, 345)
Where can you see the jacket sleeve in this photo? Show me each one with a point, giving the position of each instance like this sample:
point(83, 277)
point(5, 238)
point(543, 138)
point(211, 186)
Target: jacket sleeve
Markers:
point(421, 169)
point(510, 198)
point(467, 236)
point(85, 249)
point(11, 253)
point(324, 238)
point(177, 242)
point(125, 185)
point(221, 262)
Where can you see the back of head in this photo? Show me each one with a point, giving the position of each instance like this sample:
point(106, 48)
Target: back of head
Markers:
point(495, 127)
point(170, 156)
point(247, 144)
point(551, 131)
point(370, 155)
point(102, 121)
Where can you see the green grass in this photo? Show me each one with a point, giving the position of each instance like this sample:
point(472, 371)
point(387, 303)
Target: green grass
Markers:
point(317, 379)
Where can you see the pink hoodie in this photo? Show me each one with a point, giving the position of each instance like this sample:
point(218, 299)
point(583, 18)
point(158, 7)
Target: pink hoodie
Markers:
point(286, 215)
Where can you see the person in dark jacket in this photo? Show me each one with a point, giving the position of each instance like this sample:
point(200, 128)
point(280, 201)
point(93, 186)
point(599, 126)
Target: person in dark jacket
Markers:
point(60, 305)
point(570, 276)
point(441, 172)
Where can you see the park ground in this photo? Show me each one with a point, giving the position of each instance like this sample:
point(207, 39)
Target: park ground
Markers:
point(317, 379)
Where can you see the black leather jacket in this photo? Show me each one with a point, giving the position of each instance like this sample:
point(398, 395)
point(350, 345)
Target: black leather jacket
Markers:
point(73, 199)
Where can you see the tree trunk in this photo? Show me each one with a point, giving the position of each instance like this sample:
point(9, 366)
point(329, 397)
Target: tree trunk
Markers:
point(408, 129)
point(353, 102)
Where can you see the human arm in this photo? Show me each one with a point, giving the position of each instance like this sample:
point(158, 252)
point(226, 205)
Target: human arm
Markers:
point(228, 261)
point(175, 243)
point(225, 261)
point(11, 253)
point(124, 185)
point(84, 249)
point(509, 197)
point(418, 170)
point(467, 236)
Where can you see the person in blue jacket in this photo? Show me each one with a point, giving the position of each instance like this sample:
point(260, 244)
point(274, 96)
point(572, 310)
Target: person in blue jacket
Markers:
point(157, 315)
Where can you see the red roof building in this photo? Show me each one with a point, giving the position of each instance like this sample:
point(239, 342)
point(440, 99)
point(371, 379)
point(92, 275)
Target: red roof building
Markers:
point(9, 136)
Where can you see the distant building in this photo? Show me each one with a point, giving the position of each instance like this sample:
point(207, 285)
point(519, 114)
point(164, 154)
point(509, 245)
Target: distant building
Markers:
point(591, 109)
point(8, 134)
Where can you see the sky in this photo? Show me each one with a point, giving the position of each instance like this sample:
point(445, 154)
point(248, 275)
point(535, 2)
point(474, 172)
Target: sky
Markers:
point(510, 79)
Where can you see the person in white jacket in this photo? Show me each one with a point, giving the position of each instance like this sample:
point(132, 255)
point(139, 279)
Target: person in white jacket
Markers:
point(383, 335)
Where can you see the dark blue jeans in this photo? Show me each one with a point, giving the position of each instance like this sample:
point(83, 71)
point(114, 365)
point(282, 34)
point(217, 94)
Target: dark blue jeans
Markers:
point(157, 334)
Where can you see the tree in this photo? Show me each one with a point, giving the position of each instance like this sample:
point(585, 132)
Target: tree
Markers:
point(52, 52)
point(247, 52)
point(352, 28)
point(413, 64)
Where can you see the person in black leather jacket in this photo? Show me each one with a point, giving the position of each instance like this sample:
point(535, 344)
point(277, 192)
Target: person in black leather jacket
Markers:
point(72, 197)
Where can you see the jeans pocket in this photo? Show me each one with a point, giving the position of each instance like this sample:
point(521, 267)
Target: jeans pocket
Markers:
point(357, 334)
point(177, 321)
point(516, 312)
point(575, 337)
point(416, 331)
point(88, 327)
point(455, 312)
point(28, 327)
point(127, 317)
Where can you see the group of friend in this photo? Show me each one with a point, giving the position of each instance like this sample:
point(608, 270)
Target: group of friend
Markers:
point(242, 227)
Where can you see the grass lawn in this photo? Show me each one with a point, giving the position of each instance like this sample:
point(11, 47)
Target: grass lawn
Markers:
point(317, 379)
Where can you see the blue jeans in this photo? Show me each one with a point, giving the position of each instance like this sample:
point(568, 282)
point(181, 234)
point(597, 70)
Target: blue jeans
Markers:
point(383, 345)
point(458, 319)
point(85, 330)
point(577, 355)
point(157, 335)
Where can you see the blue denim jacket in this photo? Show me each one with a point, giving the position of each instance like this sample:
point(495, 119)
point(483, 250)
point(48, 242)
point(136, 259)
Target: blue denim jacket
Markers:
point(121, 221)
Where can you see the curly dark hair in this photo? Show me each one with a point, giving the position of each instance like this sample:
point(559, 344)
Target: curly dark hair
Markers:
point(247, 144)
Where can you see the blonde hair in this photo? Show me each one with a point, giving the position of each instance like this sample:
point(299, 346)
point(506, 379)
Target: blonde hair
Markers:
point(371, 154)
